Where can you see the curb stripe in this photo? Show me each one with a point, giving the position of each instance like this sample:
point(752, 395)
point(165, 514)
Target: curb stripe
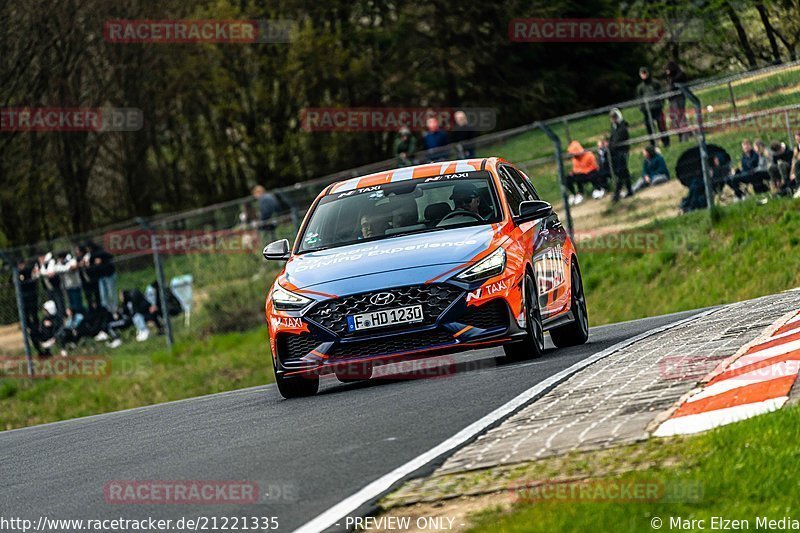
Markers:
point(772, 343)
point(791, 356)
point(705, 421)
point(755, 357)
point(753, 393)
point(756, 382)
point(777, 370)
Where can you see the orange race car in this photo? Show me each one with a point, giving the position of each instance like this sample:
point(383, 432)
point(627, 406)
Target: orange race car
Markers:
point(419, 261)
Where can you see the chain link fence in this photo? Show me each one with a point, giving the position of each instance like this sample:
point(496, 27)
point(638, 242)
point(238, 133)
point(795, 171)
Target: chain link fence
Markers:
point(206, 264)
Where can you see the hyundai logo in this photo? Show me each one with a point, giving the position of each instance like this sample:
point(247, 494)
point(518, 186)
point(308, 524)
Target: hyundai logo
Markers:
point(382, 298)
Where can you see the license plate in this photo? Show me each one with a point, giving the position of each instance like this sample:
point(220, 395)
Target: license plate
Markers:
point(385, 317)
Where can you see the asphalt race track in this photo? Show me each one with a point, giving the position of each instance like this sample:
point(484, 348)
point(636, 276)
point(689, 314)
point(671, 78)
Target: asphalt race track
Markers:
point(308, 454)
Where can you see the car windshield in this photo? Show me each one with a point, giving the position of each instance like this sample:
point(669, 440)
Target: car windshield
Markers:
point(402, 208)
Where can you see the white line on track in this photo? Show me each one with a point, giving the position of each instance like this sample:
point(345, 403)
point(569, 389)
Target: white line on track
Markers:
point(372, 491)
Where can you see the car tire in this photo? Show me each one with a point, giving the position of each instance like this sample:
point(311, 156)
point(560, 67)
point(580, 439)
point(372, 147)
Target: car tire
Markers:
point(297, 386)
point(354, 372)
point(577, 331)
point(533, 344)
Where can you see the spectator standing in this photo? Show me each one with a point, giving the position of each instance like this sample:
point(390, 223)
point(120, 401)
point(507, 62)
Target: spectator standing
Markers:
point(48, 273)
point(404, 147)
point(462, 133)
point(677, 103)
point(106, 273)
point(267, 205)
point(88, 278)
point(71, 281)
point(435, 140)
point(618, 150)
point(652, 105)
point(584, 170)
point(28, 272)
point(654, 169)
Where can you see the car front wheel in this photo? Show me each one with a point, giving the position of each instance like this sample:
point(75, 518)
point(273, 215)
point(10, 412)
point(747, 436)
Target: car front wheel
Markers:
point(533, 343)
point(577, 331)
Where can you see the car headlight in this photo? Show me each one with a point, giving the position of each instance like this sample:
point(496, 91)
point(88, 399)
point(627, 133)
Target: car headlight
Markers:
point(489, 266)
point(284, 300)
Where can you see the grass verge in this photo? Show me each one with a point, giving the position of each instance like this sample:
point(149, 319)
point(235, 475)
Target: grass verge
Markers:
point(741, 471)
point(196, 367)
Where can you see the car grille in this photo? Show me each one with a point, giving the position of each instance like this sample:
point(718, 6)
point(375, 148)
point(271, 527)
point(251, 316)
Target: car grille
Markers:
point(295, 346)
point(435, 299)
point(400, 343)
point(489, 315)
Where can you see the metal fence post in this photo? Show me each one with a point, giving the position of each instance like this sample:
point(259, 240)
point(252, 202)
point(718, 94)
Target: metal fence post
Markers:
point(160, 277)
point(653, 127)
point(23, 326)
point(733, 99)
point(701, 142)
point(564, 194)
point(789, 129)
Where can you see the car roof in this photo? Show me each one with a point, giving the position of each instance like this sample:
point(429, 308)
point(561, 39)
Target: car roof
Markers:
point(406, 173)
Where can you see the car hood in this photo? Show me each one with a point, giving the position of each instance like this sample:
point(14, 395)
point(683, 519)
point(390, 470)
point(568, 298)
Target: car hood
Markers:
point(388, 262)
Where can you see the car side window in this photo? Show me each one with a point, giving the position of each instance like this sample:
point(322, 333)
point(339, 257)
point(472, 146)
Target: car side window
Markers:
point(523, 183)
point(512, 193)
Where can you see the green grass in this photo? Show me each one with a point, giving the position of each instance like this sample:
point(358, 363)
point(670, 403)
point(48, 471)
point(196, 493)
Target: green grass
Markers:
point(196, 367)
point(747, 253)
point(741, 471)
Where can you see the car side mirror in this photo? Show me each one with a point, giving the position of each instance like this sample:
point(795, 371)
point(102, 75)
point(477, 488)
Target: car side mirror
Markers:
point(533, 210)
point(277, 251)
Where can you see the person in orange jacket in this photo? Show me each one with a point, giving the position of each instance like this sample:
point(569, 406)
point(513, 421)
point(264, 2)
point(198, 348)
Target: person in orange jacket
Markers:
point(584, 170)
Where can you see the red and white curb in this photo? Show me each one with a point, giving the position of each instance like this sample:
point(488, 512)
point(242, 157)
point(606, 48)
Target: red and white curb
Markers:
point(756, 381)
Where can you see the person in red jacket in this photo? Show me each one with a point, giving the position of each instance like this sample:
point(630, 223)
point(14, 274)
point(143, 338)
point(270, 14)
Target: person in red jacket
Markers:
point(584, 170)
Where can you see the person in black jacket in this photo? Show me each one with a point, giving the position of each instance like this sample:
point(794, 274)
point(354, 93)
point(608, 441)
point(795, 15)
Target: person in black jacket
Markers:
point(88, 278)
point(27, 272)
point(677, 103)
point(652, 106)
point(779, 169)
point(140, 311)
point(106, 274)
point(619, 148)
point(749, 172)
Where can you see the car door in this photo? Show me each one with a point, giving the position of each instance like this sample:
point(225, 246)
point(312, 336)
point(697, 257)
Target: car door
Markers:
point(546, 250)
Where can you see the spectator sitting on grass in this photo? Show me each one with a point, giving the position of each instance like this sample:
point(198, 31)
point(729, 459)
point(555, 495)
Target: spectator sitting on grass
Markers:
point(749, 172)
point(141, 312)
point(654, 169)
point(584, 170)
point(44, 338)
point(779, 169)
point(604, 171)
